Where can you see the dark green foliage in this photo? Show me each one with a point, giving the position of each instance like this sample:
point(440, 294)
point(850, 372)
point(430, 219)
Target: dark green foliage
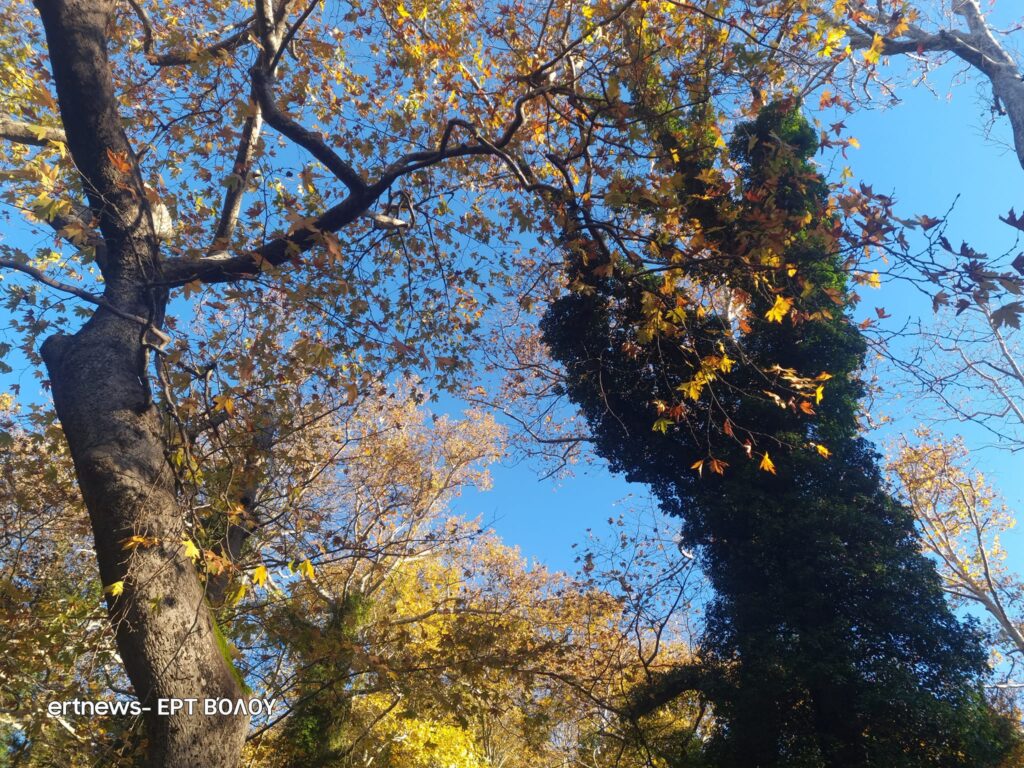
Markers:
point(828, 642)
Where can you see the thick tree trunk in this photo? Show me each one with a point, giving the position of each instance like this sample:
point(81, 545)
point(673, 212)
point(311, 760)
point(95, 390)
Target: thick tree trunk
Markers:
point(162, 621)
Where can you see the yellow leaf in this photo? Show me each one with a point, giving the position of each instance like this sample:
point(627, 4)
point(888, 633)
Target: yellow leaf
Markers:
point(822, 450)
point(259, 575)
point(767, 464)
point(114, 589)
point(224, 403)
point(306, 569)
point(819, 393)
point(692, 389)
point(402, 12)
point(779, 309)
point(853, 142)
point(138, 541)
point(874, 280)
point(237, 594)
point(191, 550)
point(699, 466)
point(874, 53)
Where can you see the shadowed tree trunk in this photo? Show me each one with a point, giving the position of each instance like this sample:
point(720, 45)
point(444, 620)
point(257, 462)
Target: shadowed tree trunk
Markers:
point(163, 625)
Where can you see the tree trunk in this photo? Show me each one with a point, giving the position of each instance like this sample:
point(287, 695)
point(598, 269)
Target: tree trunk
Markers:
point(162, 621)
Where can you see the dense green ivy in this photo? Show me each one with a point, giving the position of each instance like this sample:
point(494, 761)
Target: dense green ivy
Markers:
point(828, 641)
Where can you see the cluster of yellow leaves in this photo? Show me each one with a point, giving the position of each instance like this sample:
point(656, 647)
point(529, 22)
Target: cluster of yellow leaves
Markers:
point(962, 520)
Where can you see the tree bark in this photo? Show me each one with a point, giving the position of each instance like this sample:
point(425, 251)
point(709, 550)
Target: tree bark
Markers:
point(163, 625)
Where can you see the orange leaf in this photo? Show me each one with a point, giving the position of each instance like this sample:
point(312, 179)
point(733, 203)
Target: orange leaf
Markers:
point(120, 161)
point(767, 464)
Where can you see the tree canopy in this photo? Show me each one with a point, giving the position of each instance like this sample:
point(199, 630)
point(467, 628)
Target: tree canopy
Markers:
point(248, 243)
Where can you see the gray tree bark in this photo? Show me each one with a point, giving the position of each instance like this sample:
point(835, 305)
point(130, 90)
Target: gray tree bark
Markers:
point(163, 624)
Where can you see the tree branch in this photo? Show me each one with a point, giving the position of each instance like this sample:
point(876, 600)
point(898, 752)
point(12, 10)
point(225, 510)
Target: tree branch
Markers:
point(183, 58)
point(39, 276)
point(311, 142)
point(26, 133)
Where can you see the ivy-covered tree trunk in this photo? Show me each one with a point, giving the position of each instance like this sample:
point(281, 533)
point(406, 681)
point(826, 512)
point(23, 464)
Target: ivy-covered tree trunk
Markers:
point(828, 642)
point(163, 625)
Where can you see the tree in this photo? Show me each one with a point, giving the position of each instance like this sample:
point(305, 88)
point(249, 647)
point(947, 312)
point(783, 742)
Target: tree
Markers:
point(57, 644)
point(828, 626)
point(100, 374)
point(328, 266)
point(962, 520)
point(386, 631)
point(123, 122)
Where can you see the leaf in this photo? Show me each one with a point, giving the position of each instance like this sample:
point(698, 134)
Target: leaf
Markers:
point(779, 309)
point(822, 450)
point(874, 53)
point(224, 403)
point(1008, 314)
point(133, 542)
point(767, 464)
point(114, 589)
point(819, 393)
point(120, 161)
point(718, 466)
point(692, 388)
point(259, 575)
point(662, 425)
point(306, 569)
point(237, 594)
point(1015, 221)
point(699, 466)
point(191, 550)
